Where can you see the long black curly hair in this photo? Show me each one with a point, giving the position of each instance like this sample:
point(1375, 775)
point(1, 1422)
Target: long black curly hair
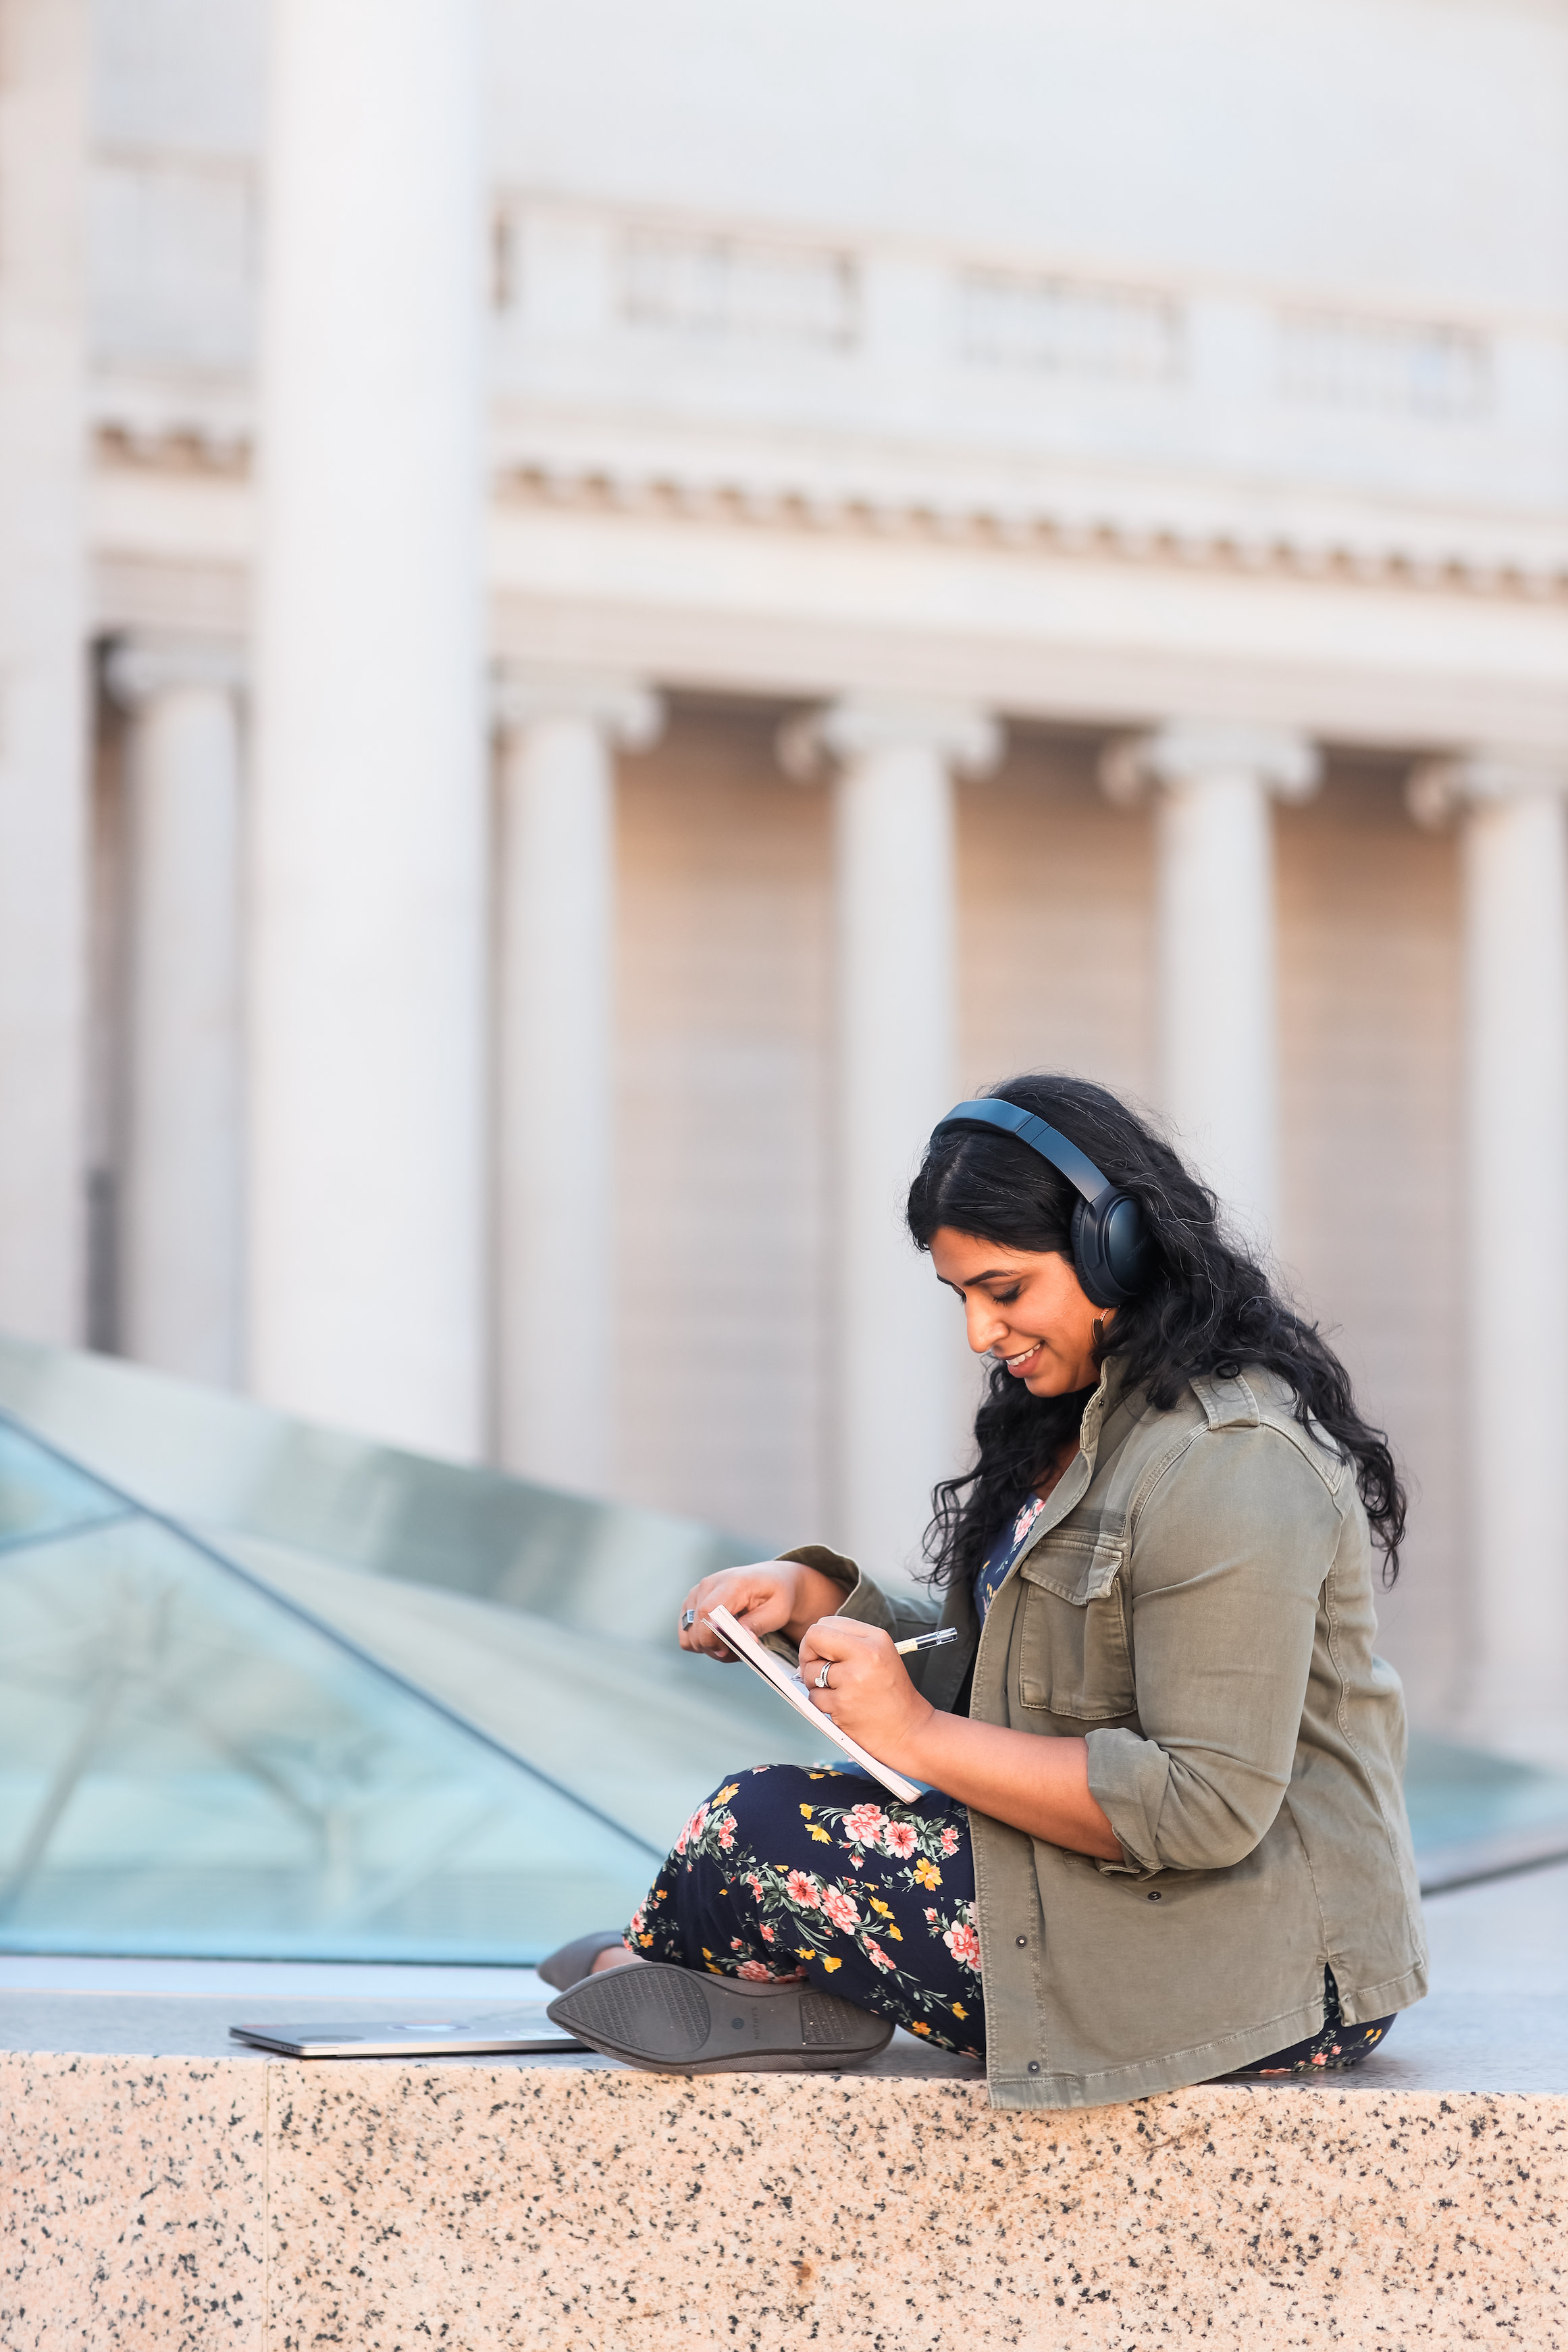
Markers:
point(1210, 1308)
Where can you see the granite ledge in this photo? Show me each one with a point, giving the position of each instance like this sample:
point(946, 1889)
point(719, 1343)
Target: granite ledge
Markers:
point(278, 2207)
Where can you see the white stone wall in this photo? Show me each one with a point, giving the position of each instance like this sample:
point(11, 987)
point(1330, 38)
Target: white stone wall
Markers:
point(1187, 386)
point(723, 992)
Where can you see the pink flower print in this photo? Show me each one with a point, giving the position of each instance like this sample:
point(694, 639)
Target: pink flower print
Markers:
point(1025, 1518)
point(767, 1935)
point(755, 1884)
point(798, 1888)
point(930, 1918)
point(899, 1838)
point(840, 1909)
point(864, 1824)
point(636, 1927)
point(963, 1944)
point(877, 1954)
point(950, 1840)
point(734, 1943)
point(758, 1971)
point(693, 1829)
point(727, 1832)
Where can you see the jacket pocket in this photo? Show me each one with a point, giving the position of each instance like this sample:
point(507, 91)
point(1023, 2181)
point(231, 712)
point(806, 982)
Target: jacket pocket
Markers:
point(1072, 1652)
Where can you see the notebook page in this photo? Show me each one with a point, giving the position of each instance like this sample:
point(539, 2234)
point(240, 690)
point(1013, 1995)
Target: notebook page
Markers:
point(789, 1686)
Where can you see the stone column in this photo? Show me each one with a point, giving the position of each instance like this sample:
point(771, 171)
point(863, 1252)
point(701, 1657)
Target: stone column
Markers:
point(1514, 854)
point(43, 666)
point(555, 1189)
point(367, 977)
point(1216, 1041)
point(895, 1332)
point(179, 1224)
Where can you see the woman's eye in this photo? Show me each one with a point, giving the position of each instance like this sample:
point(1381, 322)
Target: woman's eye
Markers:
point(1008, 1298)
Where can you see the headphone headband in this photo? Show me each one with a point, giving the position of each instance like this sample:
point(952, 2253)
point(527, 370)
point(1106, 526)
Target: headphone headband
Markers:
point(990, 1113)
point(1112, 1251)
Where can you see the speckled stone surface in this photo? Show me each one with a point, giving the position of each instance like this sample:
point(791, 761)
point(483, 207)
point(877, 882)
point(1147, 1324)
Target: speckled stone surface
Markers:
point(621, 2210)
point(132, 2203)
point(281, 2208)
point(198, 2201)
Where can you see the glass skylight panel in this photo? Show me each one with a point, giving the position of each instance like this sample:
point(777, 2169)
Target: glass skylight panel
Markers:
point(188, 1765)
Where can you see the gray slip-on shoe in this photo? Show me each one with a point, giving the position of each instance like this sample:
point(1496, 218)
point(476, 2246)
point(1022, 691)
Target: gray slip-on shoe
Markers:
point(576, 1959)
point(674, 2021)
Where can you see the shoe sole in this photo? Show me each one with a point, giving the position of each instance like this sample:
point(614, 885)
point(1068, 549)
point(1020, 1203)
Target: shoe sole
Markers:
point(672, 2021)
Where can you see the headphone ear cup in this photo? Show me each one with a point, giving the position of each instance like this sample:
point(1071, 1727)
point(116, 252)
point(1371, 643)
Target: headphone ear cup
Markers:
point(1110, 1249)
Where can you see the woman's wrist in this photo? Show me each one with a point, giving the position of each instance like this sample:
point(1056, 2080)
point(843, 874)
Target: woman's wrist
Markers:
point(815, 1596)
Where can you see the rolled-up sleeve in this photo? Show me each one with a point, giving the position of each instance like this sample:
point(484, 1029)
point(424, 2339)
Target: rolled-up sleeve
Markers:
point(1228, 1558)
point(900, 1615)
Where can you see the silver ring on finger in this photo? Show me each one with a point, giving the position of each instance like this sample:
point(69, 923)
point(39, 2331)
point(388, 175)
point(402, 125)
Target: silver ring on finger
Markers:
point(822, 1677)
point(688, 1619)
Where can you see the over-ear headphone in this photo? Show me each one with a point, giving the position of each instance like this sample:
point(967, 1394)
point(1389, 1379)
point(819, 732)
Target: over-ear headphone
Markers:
point(1111, 1250)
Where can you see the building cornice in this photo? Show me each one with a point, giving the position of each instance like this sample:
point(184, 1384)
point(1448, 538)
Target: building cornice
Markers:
point(1180, 525)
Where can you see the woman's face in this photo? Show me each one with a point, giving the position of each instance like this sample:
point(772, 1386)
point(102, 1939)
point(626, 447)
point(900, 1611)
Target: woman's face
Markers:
point(1025, 1307)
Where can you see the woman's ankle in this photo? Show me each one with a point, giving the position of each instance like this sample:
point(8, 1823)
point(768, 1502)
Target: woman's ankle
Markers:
point(614, 1956)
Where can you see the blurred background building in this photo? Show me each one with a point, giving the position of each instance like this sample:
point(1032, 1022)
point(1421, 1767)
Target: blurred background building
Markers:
point(602, 610)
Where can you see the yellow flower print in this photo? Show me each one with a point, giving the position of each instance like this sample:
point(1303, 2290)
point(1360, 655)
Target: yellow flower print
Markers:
point(896, 1933)
point(820, 1835)
point(807, 1811)
point(917, 2028)
point(959, 2010)
point(804, 1952)
point(885, 1908)
point(832, 1964)
point(724, 1795)
point(927, 1873)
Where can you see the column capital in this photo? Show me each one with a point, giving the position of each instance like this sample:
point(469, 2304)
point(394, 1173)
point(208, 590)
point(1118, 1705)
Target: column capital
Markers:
point(967, 740)
point(1439, 788)
point(1288, 766)
point(148, 663)
point(628, 713)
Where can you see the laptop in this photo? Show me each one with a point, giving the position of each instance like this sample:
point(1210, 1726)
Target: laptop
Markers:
point(508, 2031)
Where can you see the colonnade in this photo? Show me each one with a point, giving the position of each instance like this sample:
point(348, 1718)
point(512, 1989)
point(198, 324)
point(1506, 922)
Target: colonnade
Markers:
point(549, 1037)
point(373, 1203)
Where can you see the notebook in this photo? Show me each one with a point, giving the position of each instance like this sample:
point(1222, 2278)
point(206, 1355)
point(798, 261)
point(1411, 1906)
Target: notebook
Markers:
point(523, 2029)
point(789, 1686)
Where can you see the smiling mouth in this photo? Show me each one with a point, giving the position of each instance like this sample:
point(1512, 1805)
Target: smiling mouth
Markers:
point(1024, 1363)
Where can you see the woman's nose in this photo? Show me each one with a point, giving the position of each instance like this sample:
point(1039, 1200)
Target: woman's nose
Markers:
point(985, 1328)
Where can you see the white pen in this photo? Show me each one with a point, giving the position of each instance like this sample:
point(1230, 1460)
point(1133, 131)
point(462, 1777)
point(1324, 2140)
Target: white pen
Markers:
point(936, 1640)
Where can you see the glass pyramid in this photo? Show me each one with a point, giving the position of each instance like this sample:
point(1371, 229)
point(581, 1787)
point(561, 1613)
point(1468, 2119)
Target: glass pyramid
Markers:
point(269, 1691)
point(190, 1763)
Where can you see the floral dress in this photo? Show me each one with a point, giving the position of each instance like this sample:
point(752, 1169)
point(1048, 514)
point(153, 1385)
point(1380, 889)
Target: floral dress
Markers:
point(787, 1872)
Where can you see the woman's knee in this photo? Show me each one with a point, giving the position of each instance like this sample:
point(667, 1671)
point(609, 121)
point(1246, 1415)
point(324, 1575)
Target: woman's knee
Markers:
point(725, 1821)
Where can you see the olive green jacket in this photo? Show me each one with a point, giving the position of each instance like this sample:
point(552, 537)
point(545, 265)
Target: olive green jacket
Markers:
point(1196, 1599)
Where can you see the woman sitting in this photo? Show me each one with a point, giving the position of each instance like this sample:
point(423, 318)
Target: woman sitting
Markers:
point(1163, 1837)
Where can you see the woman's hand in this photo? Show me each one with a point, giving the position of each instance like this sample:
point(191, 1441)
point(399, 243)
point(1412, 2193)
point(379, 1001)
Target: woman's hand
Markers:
point(1038, 1786)
point(868, 1694)
point(775, 1596)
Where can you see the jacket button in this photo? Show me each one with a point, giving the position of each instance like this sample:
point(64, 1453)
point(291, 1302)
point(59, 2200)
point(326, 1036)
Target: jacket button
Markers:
point(1033, 2065)
point(1156, 1898)
point(1022, 1941)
